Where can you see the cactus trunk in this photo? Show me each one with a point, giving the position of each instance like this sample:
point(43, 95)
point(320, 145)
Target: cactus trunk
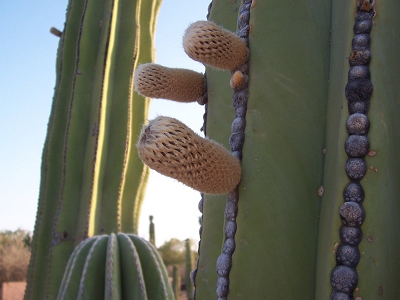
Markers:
point(293, 157)
point(89, 152)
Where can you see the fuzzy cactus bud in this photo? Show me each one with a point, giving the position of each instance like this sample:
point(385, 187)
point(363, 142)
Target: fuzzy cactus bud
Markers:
point(213, 45)
point(172, 149)
point(182, 85)
point(238, 80)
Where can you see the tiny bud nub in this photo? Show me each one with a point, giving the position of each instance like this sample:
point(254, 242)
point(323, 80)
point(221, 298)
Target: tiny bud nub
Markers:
point(55, 31)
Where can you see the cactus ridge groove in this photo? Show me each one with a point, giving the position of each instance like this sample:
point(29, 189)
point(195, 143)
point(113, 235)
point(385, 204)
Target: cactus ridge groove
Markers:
point(358, 91)
point(56, 236)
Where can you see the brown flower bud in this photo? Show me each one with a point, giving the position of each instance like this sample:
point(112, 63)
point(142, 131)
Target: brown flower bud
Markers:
point(173, 149)
point(213, 45)
point(55, 31)
point(182, 85)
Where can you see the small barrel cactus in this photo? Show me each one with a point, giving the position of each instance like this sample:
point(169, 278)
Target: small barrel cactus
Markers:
point(122, 266)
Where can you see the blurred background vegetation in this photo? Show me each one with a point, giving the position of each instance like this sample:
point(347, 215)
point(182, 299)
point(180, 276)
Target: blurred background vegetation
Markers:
point(14, 255)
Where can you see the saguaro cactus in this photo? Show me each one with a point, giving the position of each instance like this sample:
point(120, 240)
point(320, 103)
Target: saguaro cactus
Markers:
point(314, 143)
point(294, 158)
point(92, 179)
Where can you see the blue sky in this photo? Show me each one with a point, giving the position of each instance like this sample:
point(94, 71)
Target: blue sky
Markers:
point(27, 78)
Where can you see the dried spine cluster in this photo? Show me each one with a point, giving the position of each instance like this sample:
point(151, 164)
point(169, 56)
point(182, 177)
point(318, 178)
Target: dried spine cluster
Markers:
point(182, 85)
point(358, 92)
point(206, 42)
point(173, 149)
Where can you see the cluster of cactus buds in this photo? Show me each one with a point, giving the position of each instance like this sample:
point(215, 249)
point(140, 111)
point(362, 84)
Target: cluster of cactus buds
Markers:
point(169, 146)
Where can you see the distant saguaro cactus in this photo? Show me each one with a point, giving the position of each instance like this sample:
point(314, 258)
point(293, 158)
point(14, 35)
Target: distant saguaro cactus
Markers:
point(189, 269)
point(176, 281)
point(152, 233)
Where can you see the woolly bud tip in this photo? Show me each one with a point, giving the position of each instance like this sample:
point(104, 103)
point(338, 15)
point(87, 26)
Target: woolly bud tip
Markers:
point(173, 149)
point(55, 31)
point(182, 85)
point(238, 80)
point(213, 45)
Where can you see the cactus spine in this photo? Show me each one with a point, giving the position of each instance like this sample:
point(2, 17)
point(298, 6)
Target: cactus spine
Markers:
point(92, 181)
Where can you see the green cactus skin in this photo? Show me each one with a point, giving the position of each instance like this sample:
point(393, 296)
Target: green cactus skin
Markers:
point(297, 110)
point(134, 184)
point(189, 269)
point(121, 266)
point(89, 153)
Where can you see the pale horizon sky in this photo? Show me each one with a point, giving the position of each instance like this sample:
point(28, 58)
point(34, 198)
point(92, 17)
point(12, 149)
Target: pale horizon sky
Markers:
point(27, 79)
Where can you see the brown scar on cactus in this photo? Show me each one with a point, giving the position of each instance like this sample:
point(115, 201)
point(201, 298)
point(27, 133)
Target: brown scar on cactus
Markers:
point(181, 85)
point(171, 148)
point(206, 42)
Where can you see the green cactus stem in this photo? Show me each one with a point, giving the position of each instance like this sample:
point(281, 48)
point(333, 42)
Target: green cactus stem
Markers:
point(91, 178)
point(121, 266)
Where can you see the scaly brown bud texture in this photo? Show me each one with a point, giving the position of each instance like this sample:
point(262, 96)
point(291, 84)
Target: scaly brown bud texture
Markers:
point(213, 45)
point(182, 85)
point(173, 149)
